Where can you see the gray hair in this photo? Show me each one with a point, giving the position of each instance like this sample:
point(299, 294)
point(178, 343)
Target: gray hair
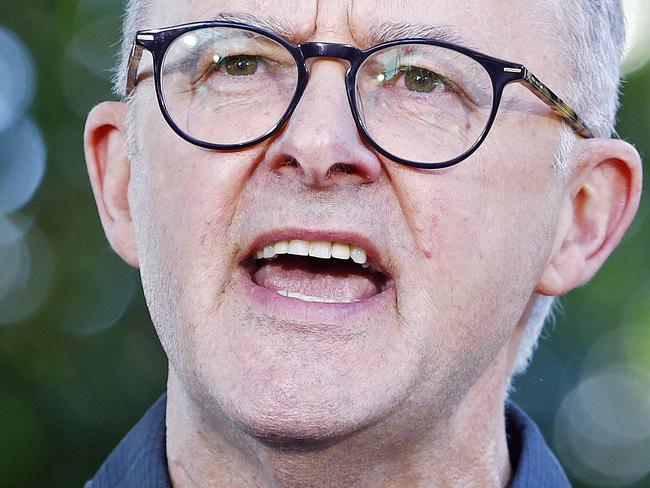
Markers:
point(595, 37)
point(595, 33)
point(133, 19)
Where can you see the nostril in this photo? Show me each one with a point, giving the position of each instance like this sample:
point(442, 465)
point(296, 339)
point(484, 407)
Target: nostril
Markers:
point(341, 168)
point(349, 172)
point(323, 163)
point(290, 163)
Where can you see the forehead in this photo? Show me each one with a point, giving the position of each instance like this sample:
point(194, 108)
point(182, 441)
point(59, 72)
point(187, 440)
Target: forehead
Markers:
point(500, 27)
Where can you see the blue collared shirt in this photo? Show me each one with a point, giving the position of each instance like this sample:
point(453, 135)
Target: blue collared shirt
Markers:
point(140, 459)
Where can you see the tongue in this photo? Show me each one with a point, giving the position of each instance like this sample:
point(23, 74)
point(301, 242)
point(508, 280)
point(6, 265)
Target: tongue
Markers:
point(331, 279)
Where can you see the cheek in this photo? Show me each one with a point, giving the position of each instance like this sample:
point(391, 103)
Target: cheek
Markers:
point(491, 210)
point(184, 200)
point(482, 240)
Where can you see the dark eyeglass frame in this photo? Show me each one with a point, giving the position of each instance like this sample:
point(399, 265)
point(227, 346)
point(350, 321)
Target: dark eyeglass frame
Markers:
point(501, 72)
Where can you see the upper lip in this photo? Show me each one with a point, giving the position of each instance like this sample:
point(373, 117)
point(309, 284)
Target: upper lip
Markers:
point(375, 257)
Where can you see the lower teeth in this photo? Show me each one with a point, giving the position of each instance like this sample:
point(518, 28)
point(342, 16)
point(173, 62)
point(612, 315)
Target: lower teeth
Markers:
point(308, 298)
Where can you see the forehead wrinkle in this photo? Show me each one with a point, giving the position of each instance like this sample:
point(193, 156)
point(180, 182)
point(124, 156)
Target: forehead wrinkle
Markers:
point(278, 25)
point(367, 34)
point(494, 27)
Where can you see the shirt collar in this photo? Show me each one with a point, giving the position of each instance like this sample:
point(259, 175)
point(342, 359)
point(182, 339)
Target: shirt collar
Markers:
point(533, 463)
point(140, 459)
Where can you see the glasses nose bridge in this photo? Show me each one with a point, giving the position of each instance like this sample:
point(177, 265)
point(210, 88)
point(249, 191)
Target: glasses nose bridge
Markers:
point(345, 52)
point(330, 50)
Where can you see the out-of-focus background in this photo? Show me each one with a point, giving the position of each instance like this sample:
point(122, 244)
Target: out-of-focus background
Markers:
point(79, 360)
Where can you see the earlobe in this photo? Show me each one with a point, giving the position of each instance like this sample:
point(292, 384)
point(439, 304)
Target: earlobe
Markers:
point(110, 173)
point(601, 198)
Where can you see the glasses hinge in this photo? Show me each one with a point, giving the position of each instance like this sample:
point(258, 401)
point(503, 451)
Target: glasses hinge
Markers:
point(146, 37)
point(512, 70)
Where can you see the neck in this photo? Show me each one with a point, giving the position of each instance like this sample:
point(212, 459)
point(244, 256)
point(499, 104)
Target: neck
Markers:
point(466, 448)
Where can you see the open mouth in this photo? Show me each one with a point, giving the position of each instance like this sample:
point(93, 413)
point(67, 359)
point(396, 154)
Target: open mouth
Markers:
point(316, 271)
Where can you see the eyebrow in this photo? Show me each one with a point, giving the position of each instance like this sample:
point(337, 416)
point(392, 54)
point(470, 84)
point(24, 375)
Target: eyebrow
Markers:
point(277, 25)
point(378, 34)
point(384, 32)
point(393, 31)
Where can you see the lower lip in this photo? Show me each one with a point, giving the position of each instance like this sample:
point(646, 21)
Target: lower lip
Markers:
point(309, 316)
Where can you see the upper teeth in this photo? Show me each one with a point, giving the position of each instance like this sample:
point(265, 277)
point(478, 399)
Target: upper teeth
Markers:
point(316, 249)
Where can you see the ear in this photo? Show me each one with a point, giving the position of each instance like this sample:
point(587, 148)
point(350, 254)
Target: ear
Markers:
point(109, 170)
point(600, 200)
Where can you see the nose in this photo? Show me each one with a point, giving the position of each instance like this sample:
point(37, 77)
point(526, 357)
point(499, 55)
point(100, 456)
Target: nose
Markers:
point(320, 146)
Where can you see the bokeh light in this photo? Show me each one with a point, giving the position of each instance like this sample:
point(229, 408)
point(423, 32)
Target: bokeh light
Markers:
point(24, 295)
point(602, 429)
point(96, 26)
point(102, 289)
point(25, 257)
point(637, 51)
point(22, 164)
point(17, 79)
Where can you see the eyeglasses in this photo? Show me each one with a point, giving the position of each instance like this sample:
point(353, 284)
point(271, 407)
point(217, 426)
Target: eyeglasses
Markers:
point(421, 102)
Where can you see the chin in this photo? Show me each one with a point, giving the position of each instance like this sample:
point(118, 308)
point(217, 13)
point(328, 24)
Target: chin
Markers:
point(297, 431)
point(302, 406)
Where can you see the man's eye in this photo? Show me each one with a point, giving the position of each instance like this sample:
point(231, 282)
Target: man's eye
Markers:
point(424, 81)
point(241, 65)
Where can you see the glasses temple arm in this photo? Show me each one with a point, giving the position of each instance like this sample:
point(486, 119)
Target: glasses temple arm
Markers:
point(556, 104)
point(132, 72)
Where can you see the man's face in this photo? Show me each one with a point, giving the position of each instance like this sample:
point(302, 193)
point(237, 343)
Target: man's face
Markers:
point(461, 249)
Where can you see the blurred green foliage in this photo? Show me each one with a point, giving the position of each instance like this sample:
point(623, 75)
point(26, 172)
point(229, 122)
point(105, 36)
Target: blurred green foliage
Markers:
point(79, 372)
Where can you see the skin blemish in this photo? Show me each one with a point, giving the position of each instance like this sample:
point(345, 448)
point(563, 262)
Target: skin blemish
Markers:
point(206, 237)
point(433, 231)
point(435, 222)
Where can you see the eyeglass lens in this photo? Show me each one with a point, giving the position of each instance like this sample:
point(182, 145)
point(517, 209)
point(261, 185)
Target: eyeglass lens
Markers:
point(227, 86)
point(424, 103)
